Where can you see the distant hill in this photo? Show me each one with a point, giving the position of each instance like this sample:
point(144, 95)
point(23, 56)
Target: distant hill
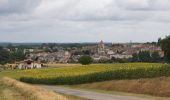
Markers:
point(18, 44)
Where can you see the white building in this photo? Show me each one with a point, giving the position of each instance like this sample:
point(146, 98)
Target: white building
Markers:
point(28, 64)
point(121, 56)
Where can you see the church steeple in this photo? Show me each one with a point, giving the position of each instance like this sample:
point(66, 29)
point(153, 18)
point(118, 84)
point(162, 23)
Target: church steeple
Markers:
point(101, 45)
point(101, 42)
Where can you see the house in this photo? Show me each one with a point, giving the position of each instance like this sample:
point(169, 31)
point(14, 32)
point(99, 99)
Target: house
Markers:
point(55, 57)
point(28, 64)
point(121, 56)
point(10, 66)
point(28, 50)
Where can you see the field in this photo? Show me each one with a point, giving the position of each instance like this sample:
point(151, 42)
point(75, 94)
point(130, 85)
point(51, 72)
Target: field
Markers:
point(90, 73)
point(159, 86)
point(58, 65)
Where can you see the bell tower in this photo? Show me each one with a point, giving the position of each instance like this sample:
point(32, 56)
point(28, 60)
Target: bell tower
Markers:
point(101, 48)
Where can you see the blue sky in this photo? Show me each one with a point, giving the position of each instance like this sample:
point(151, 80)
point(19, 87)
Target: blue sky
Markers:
point(84, 20)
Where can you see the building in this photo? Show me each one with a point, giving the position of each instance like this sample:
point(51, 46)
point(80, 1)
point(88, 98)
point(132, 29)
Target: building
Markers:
point(101, 46)
point(28, 64)
point(121, 56)
point(55, 57)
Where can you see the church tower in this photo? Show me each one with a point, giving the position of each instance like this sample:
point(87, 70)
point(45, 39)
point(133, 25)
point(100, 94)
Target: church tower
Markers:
point(101, 47)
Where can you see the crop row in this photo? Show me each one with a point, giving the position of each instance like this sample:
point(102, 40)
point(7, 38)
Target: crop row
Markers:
point(117, 74)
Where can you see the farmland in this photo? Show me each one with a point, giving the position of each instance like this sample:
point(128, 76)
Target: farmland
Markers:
point(90, 73)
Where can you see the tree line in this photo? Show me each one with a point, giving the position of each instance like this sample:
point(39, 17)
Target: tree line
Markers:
point(165, 45)
point(146, 56)
point(10, 56)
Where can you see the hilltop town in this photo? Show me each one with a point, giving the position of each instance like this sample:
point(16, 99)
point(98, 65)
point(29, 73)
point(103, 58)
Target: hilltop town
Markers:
point(99, 52)
point(34, 56)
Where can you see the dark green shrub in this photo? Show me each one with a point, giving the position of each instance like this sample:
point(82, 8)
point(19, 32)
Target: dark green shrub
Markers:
point(85, 60)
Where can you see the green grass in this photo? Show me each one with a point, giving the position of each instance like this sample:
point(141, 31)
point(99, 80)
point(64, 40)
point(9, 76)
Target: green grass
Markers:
point(89, 73)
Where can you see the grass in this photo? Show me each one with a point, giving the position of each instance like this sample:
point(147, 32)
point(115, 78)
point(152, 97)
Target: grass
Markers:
point(159, 86)
point(74, 70)
point(125, 77)
point(60, 65)
point(34, 93)
point(89, 73)
point(113, 92)
point(9, 90)
point(9, 93)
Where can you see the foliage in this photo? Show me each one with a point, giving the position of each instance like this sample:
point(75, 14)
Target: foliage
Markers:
point(10, 56)
point(86, 52)
point(155, 57)
point(89, 73)
point(120, 73)
point(114, 60)
point(165, 45)
point(146, 56)
point(104, 60)
point(17, 55)
point(4, 57)
point(135, 57)
point(85, 60)
point(120, 60)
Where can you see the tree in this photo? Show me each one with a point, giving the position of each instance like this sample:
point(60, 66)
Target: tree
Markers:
point(144, 56)
point(135, 57)
point(104, 60)
point(1, 48)
point(159, 42)
point(10, 56)
point(4, 57)
point(85, 60)
point(86, 52)
point(165, 45)
point(17, 56)
point(155, 56)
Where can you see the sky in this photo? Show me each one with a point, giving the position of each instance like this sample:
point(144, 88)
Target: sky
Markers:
point(84, 20)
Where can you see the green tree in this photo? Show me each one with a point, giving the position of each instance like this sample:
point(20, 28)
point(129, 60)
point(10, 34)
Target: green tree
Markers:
point(135, 57)
point(10, 56)
point(165, 45)
point(144, 56)
point(17, 56)
point(104, 60)
point(159, 42)
point(85, 60)
point(4, 57)
point(155, 56)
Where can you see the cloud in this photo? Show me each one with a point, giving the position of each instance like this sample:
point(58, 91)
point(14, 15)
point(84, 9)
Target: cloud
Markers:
point(17, 6)
point(147, 5)
point(83, 20)
point(101, 10)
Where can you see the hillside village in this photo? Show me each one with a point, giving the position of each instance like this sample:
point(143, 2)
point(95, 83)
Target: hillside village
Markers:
point(35, 56)
point(97, 52)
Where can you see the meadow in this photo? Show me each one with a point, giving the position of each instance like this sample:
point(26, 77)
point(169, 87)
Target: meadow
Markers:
point(79, 74)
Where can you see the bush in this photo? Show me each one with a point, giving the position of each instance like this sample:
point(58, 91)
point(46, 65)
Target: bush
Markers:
point(85, 60)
